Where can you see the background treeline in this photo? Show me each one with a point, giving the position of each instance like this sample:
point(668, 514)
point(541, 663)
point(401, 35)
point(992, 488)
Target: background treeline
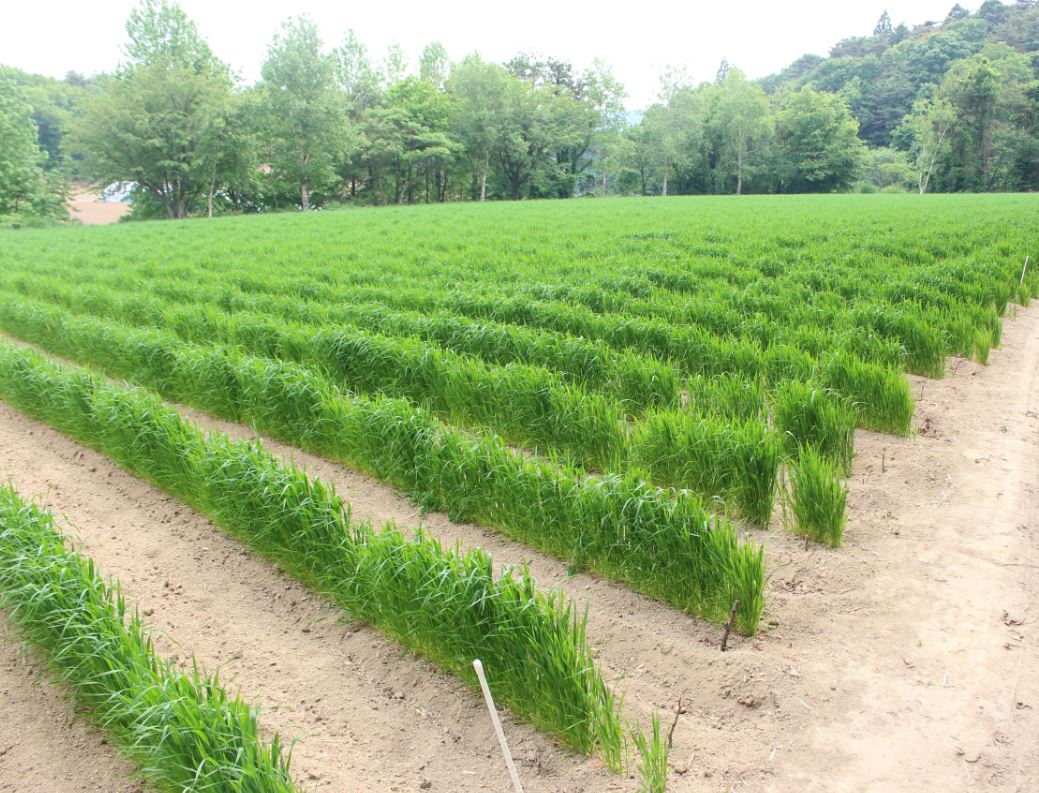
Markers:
point(944, 106)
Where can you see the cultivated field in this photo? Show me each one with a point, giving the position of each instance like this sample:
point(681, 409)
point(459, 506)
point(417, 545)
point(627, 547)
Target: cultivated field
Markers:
point(666, 415)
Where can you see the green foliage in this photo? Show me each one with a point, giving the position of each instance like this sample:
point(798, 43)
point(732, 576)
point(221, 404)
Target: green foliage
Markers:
point(818, 141)
point(942, 107)
point(182, 730)
point(161, 121)
point(446, 605)
point(305, 122)
point(817, 497)
point(807, 415)
point(28, 196)
point(737, 462)
point(667, 547)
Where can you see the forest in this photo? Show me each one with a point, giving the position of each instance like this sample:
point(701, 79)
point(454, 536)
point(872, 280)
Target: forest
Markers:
point(944, 106)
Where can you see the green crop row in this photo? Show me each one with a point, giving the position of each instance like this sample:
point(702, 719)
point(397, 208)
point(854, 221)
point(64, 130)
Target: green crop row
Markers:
point(182, 730)
point(692, 349)
point(723, 396)
point(664, 545)
point(880, 396)
point(444, 604)
point(95, 340)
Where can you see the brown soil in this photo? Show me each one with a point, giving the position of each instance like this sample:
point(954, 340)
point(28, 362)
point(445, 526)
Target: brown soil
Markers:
point(90, 210)
point(904, 660)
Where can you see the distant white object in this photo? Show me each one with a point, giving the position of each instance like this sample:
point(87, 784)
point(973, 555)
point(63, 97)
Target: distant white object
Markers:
point(118, 192)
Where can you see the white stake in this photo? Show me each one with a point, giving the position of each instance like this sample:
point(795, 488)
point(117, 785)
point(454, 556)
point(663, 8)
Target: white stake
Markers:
point(497, 726)
point(1023, 271)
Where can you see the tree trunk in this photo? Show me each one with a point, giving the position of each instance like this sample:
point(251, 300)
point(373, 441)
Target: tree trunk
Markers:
point(212, 190)
point(925, 176)
point(304, 159)
point(164, 197)
point(664, 192)
point(483, 176)
point(739, 172)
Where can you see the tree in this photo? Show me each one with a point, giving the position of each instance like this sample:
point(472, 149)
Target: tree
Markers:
point(408, 133)
point(606, 95)
point(55, 104)
point(26, 193)
point(394, 66)
point(531, 129)
point(884, 27)
point(435, 65)
point(356, 75)
point(665, 125)
point(570, 110)
point(931, 123)
point(157, 121)
point(160, 31)
point(888, 168)
point(641, 153)
point(479, 91)
point(740, 122)
point(819, 141)
point(307, 124)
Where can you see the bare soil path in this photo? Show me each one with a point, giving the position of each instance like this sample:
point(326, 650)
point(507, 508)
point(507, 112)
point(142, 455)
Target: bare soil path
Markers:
point(905, 660)
point(88, 208)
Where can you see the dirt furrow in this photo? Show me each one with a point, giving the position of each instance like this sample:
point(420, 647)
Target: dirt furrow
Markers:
point(367, 715)
point(880, 665)
point(43, 746)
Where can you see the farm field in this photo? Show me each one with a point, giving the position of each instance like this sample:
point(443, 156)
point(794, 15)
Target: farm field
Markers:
point(813, 417)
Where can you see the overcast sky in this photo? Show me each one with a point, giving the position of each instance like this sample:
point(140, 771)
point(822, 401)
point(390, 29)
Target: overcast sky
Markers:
point(637, 38)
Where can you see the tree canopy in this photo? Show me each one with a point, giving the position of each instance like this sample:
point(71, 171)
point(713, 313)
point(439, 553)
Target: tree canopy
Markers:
point(949, 105)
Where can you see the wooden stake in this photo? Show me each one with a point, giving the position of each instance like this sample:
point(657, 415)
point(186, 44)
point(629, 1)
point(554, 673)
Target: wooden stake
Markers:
point(671, 732)
point(1023, 271)
point(497, 725)
point(728, 625)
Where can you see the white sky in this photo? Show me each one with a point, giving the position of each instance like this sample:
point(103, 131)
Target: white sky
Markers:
point(638, 39)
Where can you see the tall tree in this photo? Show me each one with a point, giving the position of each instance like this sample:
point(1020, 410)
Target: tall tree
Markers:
point(394, 65)
point(479, 90)
point(307, 124)
point(818, 138)
point(740, 123)
point(435, 65)
point(409, 135)
point(25, 191)
point(156, 121)
point(930, 126)
point(606, 95)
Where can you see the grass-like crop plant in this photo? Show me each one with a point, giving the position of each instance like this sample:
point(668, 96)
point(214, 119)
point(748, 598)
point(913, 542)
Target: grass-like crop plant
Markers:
point(805, 414)
point(654, 749)
point(445, 604)
point(727, 396)
point(666, 546)
point(880, 396)
point(736, 462)
point(817, 497)
point(182, 730)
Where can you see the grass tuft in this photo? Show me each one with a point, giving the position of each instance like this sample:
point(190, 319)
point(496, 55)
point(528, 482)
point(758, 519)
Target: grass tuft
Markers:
point(445, 604)
point(182, 730)
point(817, 497)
